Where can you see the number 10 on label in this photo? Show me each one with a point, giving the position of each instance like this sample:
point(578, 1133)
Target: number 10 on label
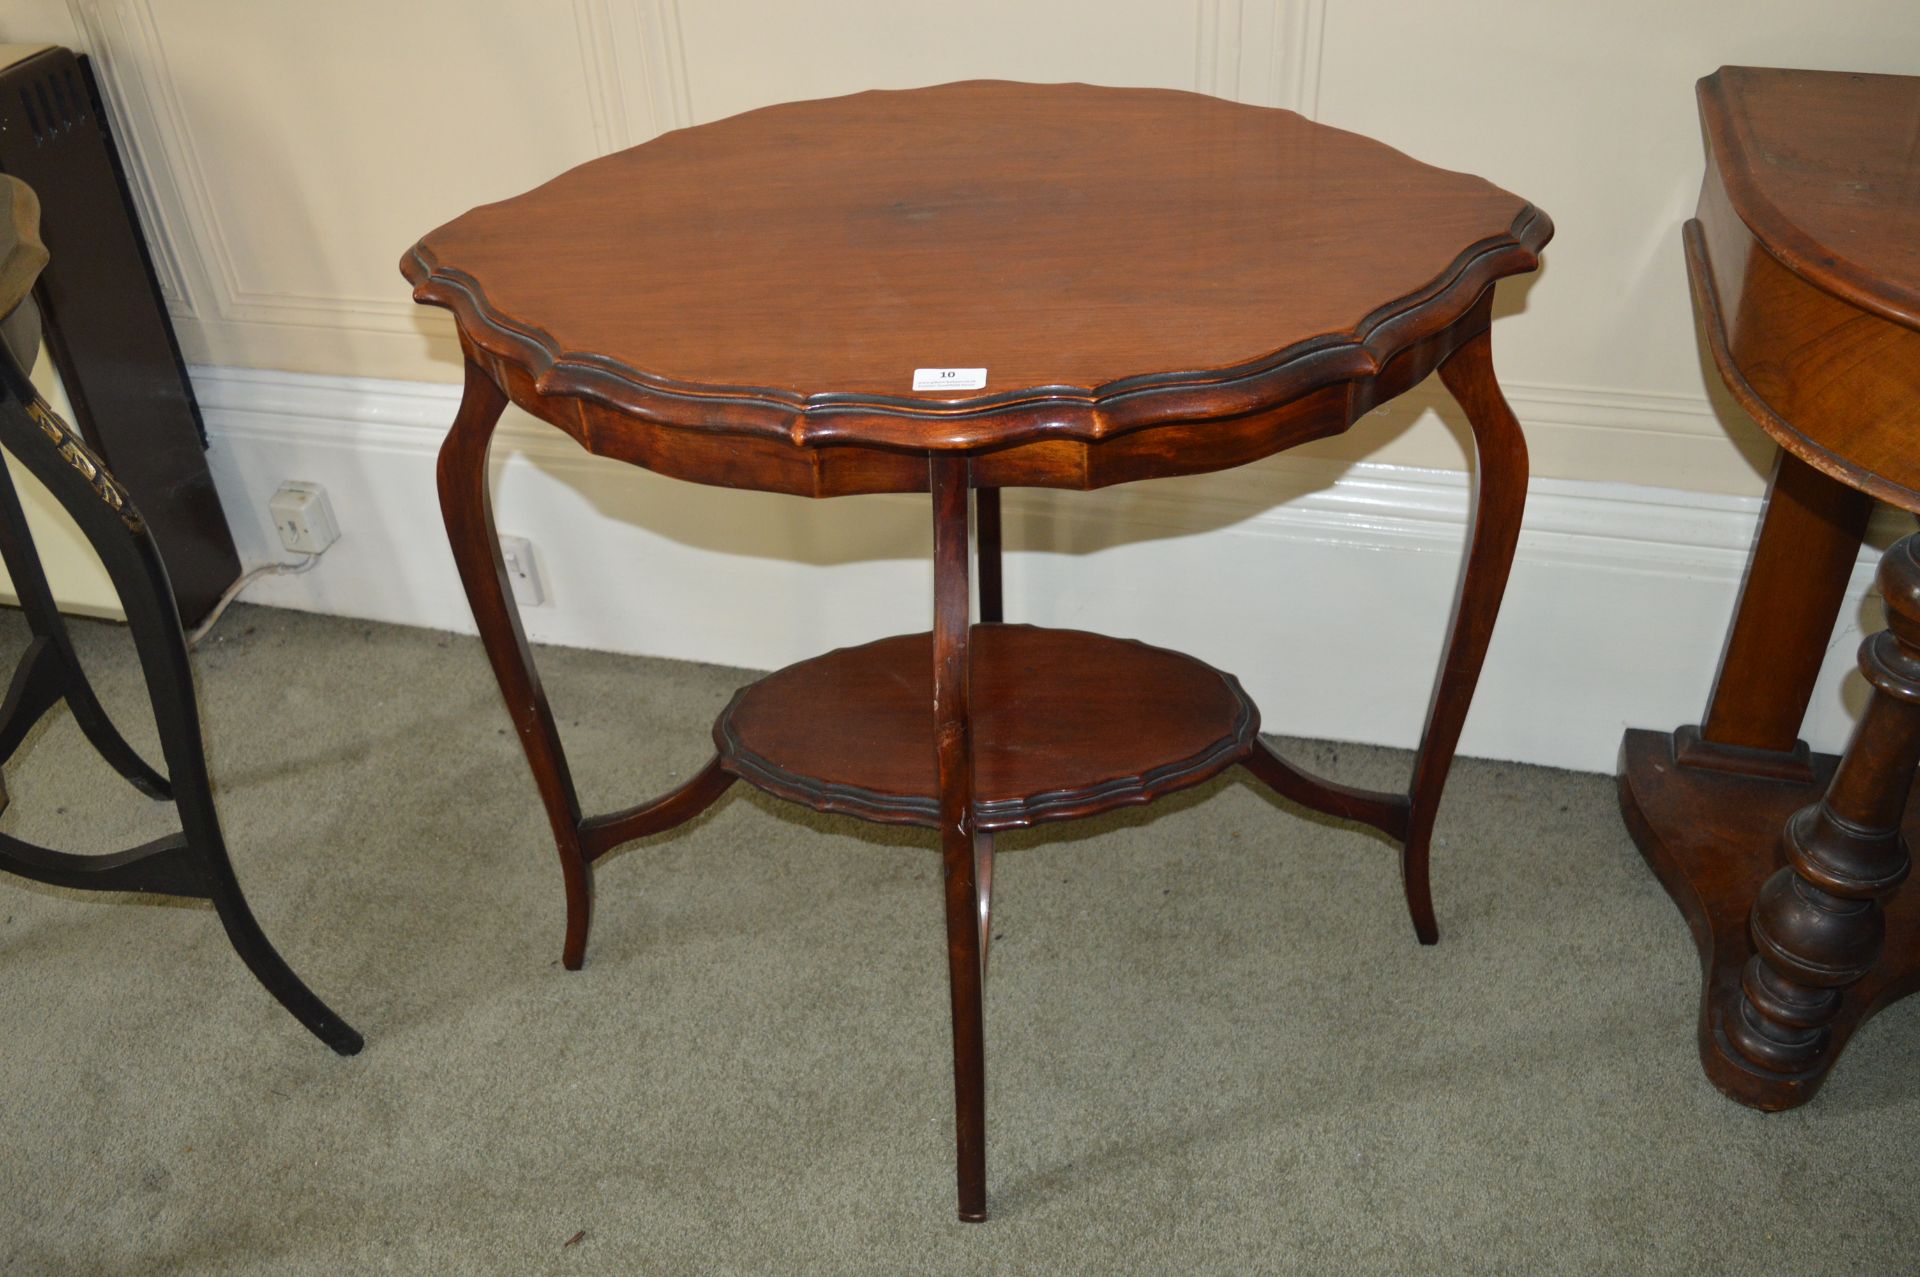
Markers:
point(949, 378)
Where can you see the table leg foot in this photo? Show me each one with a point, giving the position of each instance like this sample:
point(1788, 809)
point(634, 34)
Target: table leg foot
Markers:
point(1417, 886)
point(268, 967)
point(577, 875)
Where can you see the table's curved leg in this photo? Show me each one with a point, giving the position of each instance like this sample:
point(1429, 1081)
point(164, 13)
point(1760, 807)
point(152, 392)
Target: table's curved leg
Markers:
point(107, 741)
point(953, 754)
point(467, 508)
point(1499, 497)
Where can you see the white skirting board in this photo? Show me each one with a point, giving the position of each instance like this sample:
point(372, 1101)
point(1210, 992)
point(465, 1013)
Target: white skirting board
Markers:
point(1323, 586)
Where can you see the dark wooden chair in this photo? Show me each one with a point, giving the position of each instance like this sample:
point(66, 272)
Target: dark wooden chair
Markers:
point(193, 861)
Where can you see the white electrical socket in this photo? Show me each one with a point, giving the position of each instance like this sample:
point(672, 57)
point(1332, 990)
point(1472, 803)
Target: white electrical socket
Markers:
point(304, 517)
point(523, 571)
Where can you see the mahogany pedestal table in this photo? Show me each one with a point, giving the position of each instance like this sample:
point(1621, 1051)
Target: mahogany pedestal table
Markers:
point(957, 290)
point(1805, 262)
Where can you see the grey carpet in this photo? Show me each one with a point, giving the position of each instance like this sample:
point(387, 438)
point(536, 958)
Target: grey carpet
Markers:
point(1213, 1043)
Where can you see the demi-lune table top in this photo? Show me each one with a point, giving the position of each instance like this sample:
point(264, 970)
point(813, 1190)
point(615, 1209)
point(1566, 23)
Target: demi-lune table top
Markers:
point(1111, 258)
point(1824, 168)
point(1805, 261)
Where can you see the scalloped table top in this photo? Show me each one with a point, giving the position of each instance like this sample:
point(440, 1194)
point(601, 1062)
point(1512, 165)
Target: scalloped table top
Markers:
point(1062, 237)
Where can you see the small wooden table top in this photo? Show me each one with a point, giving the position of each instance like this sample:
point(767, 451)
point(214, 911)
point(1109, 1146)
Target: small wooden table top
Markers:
point(1113, 259)
point(954, 290)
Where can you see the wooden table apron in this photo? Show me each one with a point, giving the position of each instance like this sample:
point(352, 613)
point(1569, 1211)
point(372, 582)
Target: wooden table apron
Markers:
point(961, 454)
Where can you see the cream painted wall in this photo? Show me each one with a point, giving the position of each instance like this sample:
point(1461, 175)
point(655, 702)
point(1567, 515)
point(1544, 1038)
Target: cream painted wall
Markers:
point(287, 154)
point(1588, 110)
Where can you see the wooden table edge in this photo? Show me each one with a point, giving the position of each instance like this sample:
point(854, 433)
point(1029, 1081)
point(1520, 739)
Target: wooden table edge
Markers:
point(1005, 419)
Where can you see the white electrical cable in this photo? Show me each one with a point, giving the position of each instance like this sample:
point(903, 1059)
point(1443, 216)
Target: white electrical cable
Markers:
point(248, 578)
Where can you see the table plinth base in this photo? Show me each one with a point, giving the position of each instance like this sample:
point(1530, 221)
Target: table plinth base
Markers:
point(1712, 838)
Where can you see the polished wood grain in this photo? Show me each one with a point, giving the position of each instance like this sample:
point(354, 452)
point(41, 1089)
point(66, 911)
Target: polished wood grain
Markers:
point(1117, 260)
point(1796, 582)
point(467, 508)
point(1814, 186)
point(1821, 165)
point(1067, 724)
point(1157, 284)
point(1804, 260)
point(1819, 921)
point(965, 850)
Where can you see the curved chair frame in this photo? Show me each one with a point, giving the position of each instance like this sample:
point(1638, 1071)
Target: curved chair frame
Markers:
point(192, 861)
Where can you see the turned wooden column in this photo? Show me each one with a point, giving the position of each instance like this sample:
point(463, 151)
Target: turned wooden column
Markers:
point(1819, 924)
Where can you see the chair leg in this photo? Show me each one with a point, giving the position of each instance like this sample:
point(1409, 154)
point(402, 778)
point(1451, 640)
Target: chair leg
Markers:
point(162, 647)
point(109, 743)
point(251, 943)
point(195, 860)
point(51, 670)
point(36, 687)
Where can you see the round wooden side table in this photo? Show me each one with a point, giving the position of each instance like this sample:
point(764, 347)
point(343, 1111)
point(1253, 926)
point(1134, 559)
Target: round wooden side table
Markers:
point(956, 290)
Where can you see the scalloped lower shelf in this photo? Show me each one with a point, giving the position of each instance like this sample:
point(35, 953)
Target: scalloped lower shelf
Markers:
point(1065, 724)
